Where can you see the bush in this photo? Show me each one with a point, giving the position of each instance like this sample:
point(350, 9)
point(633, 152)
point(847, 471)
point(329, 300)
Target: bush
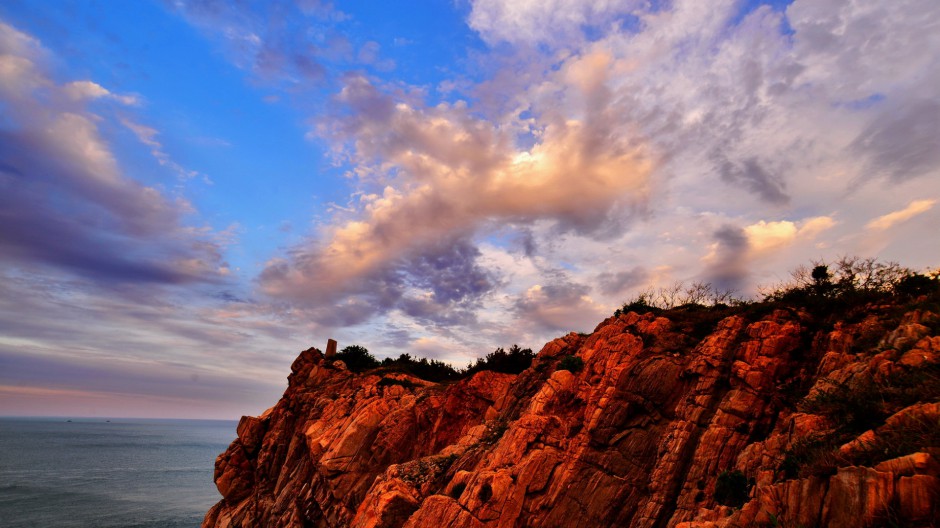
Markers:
point(430, 370)
point(514, 361)
point(731, 489)
point(849, 278)
point(915, 285)
point(357, 358)
point(571, 363)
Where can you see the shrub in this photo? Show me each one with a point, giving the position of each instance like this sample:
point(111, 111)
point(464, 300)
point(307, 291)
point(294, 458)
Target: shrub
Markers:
point(514, 361)
point(571, 363)
point(430, 370)
point(731, 489)
point(849, 278)
point(915, 285)
point(357, 358)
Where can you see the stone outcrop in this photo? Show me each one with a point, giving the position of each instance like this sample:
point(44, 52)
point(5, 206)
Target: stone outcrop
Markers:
point(666, 414)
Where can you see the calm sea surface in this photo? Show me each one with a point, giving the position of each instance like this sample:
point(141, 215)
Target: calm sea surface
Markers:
point(92, 473)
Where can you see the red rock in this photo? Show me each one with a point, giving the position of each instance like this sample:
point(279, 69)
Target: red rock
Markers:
point(638, 438)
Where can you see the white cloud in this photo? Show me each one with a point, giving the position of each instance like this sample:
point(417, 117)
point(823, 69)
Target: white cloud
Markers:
point(87, 90)
point(545, 21)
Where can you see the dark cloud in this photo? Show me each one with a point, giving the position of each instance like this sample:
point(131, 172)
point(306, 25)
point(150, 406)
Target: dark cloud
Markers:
point(65, 201)
point(439, 284)
point(525, 240)
point(559, 306)
point(902, 142)
point(750, 174)
point(450, 271)
point(612, 283)
point(728, 269)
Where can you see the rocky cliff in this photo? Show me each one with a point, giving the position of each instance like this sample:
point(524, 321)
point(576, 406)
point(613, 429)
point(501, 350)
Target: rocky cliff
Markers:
point(688, 418)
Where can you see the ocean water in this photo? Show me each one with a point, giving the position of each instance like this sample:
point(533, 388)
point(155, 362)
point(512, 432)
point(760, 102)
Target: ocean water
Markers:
point(123, 473)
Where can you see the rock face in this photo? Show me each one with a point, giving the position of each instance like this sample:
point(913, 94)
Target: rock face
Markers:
point(713, 418)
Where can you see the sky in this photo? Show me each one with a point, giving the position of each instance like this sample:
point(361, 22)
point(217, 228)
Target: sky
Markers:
point(193, 191)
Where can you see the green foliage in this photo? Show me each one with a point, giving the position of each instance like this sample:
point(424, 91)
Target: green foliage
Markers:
point(512, 362)
point(571, 363)
point(731, 489)
point(357, 358)
point(641, 304)
point(430, 370)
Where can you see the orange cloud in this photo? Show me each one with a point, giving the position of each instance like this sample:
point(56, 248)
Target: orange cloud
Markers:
point(889, 220)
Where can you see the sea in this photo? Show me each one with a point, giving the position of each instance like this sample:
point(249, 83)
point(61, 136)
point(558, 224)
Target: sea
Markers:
point(101, 472)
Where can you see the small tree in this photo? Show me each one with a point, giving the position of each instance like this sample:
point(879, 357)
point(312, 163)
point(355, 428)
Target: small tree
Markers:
point(822, 280)
point(357, 358)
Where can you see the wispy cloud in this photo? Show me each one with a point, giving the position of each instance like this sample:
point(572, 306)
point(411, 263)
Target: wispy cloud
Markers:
point(889, 220)
point(66, 201)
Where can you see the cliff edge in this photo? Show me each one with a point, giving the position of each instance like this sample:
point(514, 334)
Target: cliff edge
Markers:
point(692, 417)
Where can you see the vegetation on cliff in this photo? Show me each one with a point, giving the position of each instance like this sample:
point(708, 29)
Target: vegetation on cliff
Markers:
point(358, 359)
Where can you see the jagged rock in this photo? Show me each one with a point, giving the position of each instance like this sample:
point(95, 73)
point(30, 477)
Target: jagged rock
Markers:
point(640, 437)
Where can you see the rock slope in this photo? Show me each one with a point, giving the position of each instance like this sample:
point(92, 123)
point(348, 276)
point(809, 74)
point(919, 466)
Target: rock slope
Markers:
point(699, 418)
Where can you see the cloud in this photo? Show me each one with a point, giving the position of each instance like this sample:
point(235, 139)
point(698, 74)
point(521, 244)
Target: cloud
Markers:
point(726, 263)
point(87, 90)
point(767, 236)
point(617, 282)
point(722, 140)
point(559, 307)
point(64, 198)
point(900, 144)
point(148, 136)
point(530, 22)
point(453, 174)
point(138, 344)
point(756, 179)
point(283, 43)
point(889, 220)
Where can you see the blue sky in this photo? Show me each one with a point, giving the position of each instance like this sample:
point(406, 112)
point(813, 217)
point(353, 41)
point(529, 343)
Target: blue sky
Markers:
point(194, 191)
